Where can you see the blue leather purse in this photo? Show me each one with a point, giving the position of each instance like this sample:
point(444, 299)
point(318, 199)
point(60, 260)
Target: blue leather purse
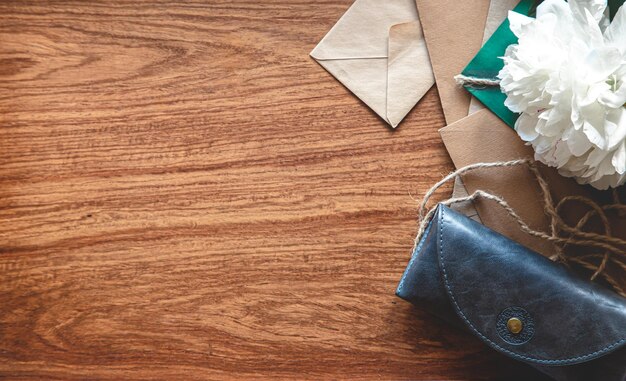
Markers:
point(516, 301)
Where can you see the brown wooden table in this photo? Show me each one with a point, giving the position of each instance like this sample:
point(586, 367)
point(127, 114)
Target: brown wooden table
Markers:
point(185, 194)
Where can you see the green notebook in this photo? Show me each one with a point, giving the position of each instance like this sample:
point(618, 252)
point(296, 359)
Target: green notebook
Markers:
point(487, 63)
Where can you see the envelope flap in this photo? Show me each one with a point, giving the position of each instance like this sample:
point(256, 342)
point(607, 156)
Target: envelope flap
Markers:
point(366, 78)
point(363, 31)
point(491, 280)
point(409, 74)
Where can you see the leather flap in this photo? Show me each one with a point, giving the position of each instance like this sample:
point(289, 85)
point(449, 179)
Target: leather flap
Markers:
point(491, 279)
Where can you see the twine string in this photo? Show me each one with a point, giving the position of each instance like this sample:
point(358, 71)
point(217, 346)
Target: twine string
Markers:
point(475, 82)
point(595, 210)
point(611, 249)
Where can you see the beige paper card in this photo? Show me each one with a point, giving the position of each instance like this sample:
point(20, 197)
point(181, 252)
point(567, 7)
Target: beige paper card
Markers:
point(378, 52)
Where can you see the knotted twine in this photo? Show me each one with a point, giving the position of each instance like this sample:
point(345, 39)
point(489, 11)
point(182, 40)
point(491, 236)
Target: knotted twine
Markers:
point(605, 248)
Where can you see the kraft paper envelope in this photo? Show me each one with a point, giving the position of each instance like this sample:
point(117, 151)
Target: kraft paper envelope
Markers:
point(498, 11)
point(378, 52)
point(483, 137)
point(453, 31)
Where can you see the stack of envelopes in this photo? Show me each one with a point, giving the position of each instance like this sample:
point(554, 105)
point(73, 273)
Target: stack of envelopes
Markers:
point(389, 53)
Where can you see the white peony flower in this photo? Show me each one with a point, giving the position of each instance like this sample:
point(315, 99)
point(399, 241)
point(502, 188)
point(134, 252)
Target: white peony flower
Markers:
point(567, 78)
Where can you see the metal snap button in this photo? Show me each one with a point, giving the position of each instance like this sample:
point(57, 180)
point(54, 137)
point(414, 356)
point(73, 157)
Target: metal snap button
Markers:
point(514, 325)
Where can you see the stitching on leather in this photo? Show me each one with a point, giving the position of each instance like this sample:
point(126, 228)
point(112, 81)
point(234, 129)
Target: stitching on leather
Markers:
point(413, 258)
point(486, 339)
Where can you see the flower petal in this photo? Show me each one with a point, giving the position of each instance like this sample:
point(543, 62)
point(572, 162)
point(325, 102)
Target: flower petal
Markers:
point(517, 22)
point(578, 143)
point(602, 62)
point(525, 127)
point(619, 159)
point(596, 9)
point(566, 76)
point(615, 34)
point(614, 99)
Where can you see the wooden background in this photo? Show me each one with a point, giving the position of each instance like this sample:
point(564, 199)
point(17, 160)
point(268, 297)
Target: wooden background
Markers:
point(185, 194)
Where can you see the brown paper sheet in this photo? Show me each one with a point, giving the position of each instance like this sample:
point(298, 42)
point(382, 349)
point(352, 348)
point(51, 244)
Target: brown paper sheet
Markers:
point(466, 208)
point(483, 137)
point(454, 32)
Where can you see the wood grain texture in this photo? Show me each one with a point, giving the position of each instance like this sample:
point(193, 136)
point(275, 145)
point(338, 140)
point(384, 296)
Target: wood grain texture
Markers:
point(185, 194)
